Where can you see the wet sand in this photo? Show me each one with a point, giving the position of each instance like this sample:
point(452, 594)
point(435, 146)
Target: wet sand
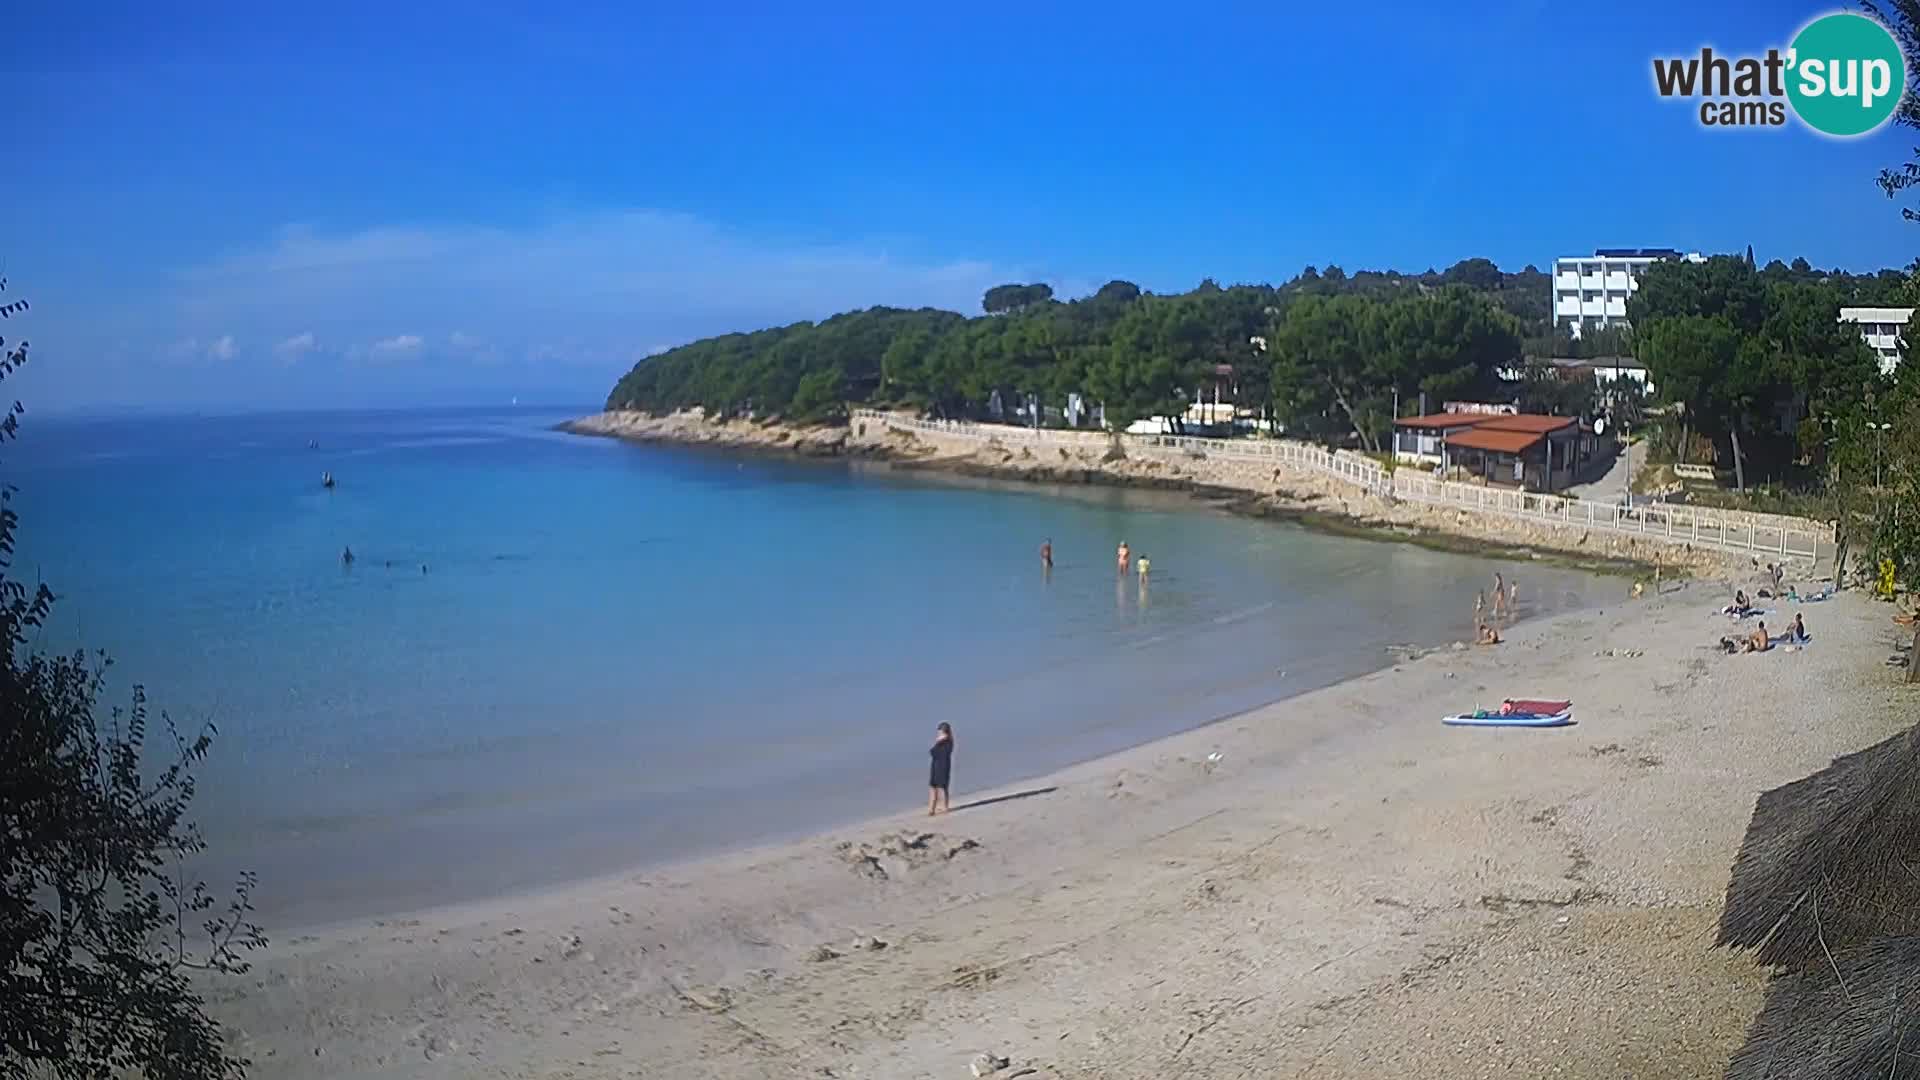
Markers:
point(1349, 889)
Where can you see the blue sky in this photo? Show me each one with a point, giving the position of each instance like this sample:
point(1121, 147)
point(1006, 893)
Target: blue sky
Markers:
point(436, 203)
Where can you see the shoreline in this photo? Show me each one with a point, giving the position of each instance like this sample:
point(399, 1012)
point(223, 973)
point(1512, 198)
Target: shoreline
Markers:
point(1409, 644)
point(1301, 503)
point(1420, 878)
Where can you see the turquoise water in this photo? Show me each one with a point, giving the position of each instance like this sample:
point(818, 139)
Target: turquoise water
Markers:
point(557, 656)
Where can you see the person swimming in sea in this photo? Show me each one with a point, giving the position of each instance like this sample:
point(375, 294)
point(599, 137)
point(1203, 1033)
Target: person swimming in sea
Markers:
point(940, 775)
point(1125, 555)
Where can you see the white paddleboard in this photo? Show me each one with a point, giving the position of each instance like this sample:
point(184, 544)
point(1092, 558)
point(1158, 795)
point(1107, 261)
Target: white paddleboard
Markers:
point(1559, 719)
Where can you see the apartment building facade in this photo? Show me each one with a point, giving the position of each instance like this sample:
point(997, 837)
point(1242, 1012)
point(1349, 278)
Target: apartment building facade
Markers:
point(1591, 291)
point(1883, 329)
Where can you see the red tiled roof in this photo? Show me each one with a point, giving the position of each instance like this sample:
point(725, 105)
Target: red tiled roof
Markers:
point(1528, 422)
point(1446, 420)
point(1498, 442)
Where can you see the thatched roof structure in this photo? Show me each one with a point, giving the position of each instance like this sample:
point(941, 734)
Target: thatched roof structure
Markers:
point(1858, 1016)
point(1831, 862)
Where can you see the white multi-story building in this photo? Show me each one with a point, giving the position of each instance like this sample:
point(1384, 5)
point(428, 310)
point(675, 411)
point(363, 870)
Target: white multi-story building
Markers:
point(1590, 291)
point(1883, 328)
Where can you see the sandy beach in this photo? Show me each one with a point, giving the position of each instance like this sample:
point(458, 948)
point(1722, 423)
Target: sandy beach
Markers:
point(1332, 886)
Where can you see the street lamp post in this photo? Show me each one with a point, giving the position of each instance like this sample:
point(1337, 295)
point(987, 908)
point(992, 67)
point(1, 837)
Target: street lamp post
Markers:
point(1626, 475)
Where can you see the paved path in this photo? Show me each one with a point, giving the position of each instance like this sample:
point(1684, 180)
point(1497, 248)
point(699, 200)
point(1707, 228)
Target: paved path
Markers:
point(1609, 487)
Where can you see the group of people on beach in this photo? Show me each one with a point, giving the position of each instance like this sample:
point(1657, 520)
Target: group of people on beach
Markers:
point(1760, 640)
point(1742, 607)
point(1504, 600)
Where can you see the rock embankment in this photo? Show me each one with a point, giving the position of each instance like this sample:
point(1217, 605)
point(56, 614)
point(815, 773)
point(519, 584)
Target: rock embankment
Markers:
point(695, 428)
point(1264, 489)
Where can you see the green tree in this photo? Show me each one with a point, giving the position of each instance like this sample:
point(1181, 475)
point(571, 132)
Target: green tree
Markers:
point(1005, 298)
point(1699, 329)
point(1326, 372)
point(100, 930)
point(1475, 274)
point(1453, 343)
point(820, 396)
point(1149, 362)
point(1903, 18)
point(1543, 389)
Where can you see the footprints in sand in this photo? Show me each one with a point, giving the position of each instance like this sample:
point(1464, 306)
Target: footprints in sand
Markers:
point(863, 943)
point(896, 854)
point(711, 999)
point(1643, 761)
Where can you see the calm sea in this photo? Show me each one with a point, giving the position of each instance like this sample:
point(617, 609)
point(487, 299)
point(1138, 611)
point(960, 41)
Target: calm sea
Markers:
point(556, 656)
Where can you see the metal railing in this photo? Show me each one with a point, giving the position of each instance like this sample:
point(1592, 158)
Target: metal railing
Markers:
point(1778, 538)
point(1664, 522)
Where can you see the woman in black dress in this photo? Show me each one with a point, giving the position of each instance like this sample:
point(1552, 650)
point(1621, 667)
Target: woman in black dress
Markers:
point(942, 771)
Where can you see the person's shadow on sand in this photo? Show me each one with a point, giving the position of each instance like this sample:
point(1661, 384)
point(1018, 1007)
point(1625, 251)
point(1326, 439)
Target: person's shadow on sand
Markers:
point(1004, 798)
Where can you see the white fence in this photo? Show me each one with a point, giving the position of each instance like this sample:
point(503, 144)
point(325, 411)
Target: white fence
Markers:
point(1665, 522)
point(1777, 538)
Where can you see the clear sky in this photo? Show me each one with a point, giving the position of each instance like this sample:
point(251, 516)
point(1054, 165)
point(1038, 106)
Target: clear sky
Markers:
point(284, 205)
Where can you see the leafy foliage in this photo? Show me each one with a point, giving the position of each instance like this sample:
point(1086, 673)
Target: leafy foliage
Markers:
point(1004, 298)
point(100, 928)
point(1749, 355)
point(1903, 18)
point(1135, 353)
point(1325, 354)
point(1339, 362)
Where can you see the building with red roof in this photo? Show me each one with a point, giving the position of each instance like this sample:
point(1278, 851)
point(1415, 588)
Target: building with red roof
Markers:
point(1535, 452)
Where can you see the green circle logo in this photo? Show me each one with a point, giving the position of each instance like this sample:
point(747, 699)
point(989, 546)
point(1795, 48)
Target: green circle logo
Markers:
point(1845, 74)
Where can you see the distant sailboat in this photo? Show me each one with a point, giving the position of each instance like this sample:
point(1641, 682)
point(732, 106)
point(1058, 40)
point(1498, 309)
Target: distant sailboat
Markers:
point(516, 401)
point(326, 480)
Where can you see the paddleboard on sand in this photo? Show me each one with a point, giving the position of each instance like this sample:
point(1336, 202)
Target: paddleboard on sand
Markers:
point(1517, 714)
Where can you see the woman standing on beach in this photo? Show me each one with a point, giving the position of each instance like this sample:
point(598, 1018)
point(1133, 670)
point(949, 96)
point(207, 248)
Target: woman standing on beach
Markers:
point(942, 771)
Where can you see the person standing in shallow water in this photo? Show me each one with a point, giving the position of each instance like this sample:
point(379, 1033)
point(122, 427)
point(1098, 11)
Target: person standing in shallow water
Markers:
point(1124, 555)
point(942, 772)
point(1046, 553)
